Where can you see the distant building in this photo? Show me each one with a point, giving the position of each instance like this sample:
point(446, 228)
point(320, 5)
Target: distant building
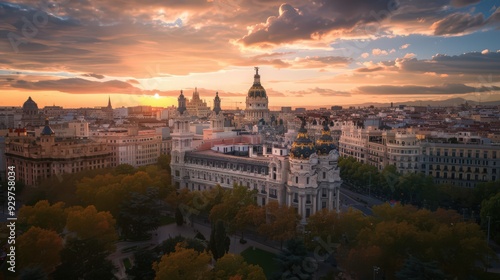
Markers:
point(38, 158)
point(300, 110)
point(286, 109)
point(257, 102)
point(31, 116)
point(336, 108)
point(196, 106)
point(129, 146)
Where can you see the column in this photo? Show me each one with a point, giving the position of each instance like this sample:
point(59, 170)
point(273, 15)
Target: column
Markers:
point(302, 205)
point(337, 200)
point(314, 200)
point(330, 199)
point(290, 199)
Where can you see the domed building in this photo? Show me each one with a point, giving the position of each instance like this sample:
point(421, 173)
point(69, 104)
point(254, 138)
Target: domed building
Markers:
point(325, 143)
point(314, 177)
point(31, 115)
point(256, 101)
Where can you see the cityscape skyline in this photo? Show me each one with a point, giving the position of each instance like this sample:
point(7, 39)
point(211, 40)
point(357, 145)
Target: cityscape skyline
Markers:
point(337, 53)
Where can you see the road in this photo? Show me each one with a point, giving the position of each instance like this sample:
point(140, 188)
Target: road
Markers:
point(358, 201)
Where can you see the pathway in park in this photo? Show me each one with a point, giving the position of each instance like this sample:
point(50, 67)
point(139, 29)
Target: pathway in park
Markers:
point(165, 232)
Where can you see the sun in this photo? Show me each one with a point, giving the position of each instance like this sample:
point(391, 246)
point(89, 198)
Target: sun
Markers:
point(157, 96)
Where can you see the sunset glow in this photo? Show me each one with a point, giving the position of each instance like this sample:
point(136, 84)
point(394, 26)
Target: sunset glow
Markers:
point(310, 53)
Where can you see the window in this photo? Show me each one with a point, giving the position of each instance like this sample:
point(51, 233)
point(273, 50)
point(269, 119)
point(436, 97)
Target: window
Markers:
point(307, 180)
point(296, 180)
point(324, 175)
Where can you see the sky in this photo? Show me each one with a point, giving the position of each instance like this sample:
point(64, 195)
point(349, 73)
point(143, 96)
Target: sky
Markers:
point(310, 53)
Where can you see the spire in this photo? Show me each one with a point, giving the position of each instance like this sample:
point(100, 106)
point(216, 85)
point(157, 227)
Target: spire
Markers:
point(217, 108)
point(256, 77)
point(109, 103)
point(182, 103)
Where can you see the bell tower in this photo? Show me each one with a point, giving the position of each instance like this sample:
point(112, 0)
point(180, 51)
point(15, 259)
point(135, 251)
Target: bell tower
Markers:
point(182, 140)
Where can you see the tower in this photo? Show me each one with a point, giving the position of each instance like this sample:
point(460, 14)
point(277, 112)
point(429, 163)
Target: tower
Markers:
point(47, 138)
point(302, 187)
point(182, 140)
point(328, 171)
point(217, 118)
point(256, 102)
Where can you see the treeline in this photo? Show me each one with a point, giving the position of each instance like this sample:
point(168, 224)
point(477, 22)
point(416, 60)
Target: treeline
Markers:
point(69, 224)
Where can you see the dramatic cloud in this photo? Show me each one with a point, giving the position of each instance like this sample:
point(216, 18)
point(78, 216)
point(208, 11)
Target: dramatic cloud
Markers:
point(320, 91)
point(321, 61)
point(82, 86)
point(474, 63)
point(423, 90)
point(405, 46)
point(367, 70)
point(97, 76)
point(462, 3)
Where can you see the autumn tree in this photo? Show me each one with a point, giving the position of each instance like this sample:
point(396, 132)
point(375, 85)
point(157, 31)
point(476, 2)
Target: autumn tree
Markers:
point(44, 215)
point(219, 241)
point(88, 223)
point(39, 247)
point(393, 233)
point(280, 222)
point(230, 266)
point(320, 225)
point(183, 264)
point(232, 202)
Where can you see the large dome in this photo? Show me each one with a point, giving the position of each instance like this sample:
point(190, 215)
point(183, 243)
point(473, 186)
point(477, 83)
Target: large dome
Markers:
point(30, 105)
point(325, 143)
point(257, 90)
point(302, 147)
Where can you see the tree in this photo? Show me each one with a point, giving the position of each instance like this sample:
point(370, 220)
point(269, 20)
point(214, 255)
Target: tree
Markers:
point(179, 219)
point(230, 266)
point(125, 169)
point(39, 247)
point(491, 208)
point(320, 225)
point(293, 262)
point(219, 241)
point(44, 215)
point(168, 246)
point(280, 222)
point(88, 223)
point(182, 264)
point(416, 269)
point(84, 259)
point(143, 265)
point(250, 215)
point(232, 202)
point(164, 162)
point(140, 214)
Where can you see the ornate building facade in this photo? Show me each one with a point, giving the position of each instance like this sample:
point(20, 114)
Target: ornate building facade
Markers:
point(305, 177)
point(38, 158)
point(257, 102)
